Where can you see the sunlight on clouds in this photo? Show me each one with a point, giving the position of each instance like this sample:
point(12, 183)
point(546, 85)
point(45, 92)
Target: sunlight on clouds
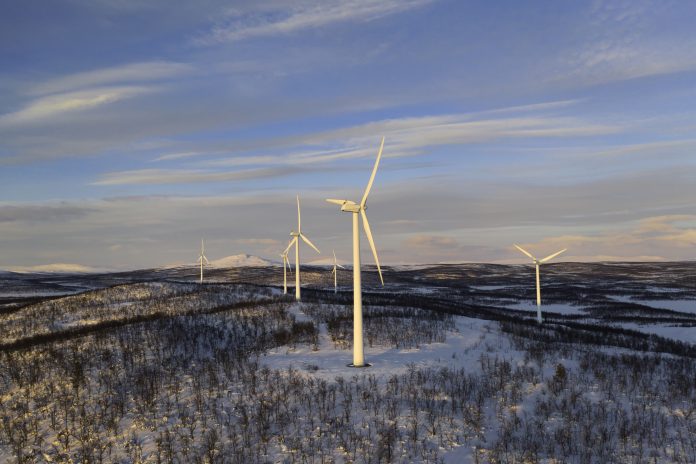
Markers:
point(409, 136)
point(128, 73)
point(266, 23)
point(183, 176)
point(650, 239)
point(47, 107)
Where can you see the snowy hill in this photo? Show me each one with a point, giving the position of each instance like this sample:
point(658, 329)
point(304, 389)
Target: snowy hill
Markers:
point(58, 268)
point(242, 260)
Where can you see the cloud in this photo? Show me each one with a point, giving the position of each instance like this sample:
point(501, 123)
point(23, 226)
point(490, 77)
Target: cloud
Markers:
point(667, 235)
point(269, 246)
point(259, 241)
point(274, 21)
point(123, 74)
point(42, 213)
point(430, 242)
point(45, 108)
point(417, 223)
point(181, 155)
point(407, 136)
point(622, 41)
point(181, 176)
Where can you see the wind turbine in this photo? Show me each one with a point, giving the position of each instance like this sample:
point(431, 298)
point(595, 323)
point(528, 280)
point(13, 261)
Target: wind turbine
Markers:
point(202, 258)
point(335, 273)
point(359, 210)
point(286, 264)
point(298, 235)
point(537, 263)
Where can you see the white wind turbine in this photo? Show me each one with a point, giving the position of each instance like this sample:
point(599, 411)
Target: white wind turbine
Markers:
point(202, 258)
point(297, 235)
point(286, 264)
point(537, 263)
point(335, 272)
point(359, 210)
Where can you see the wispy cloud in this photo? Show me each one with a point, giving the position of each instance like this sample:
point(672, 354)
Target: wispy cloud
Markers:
point(405, 137)
point(618, 45)
point(91, 89)
point(281, 21)
point(653, 238)
point(182, 176)
point(42, 213)
point(182, 155)
point(131, 73)
point(47, 107)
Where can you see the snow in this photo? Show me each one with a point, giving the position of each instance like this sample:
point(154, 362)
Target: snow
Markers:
point(58, 268)
point(488, 287)
point(241, 260)
point(682, 305)
point(683, 334)
point(462, 348)
point(685, 306)
point(560, 308)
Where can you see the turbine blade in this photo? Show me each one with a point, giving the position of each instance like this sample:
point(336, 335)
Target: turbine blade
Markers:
point(299, 228)
point(372, 177)
point(306, 240)
point(368, 232)
point(340, 266)
point(334, 253)
point(336, 202)
point(206, 260)
point(292, 242)
point(552, 256)
point(524, 251)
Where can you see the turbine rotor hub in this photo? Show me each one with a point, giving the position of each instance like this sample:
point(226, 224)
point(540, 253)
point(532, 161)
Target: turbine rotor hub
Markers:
point(350, 207)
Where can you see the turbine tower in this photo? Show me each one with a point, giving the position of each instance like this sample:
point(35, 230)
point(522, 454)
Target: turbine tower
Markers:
point(537, 263)
point(202, 258)
point(335, 272)
point(286, 264)
point(296, 236)
point(358, 210)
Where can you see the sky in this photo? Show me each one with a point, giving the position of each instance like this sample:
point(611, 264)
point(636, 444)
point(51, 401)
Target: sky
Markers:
point(130, 129)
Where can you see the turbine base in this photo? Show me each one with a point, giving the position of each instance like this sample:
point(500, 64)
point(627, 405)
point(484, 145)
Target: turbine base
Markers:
point(359, 367)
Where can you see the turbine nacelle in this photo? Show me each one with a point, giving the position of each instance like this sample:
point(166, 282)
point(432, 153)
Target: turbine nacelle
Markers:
point(347, 205)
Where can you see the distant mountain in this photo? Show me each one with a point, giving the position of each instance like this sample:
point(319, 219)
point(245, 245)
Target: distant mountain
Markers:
point(58, 268)
point(242, 260)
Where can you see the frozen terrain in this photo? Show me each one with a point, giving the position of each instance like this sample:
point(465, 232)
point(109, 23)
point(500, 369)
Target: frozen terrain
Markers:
point(150, 366)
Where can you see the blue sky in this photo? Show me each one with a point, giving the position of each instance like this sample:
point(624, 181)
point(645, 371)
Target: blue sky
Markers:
point(129, 129)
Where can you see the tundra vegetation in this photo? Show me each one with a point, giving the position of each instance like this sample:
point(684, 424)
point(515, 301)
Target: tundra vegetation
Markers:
point(171, 371)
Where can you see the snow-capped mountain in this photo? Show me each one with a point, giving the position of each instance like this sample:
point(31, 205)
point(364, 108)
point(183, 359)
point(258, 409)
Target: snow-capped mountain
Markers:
point(58, 268)
point(241, 260)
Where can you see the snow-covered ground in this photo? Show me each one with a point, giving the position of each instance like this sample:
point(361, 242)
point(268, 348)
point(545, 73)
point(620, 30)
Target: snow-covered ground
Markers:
point(560, 308)
point(462, 348)
point(201, 380)
point(682, 334)
point(681, 305)
point(684, 306)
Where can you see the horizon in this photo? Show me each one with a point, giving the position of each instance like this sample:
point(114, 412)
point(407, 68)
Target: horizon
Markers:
point(72, 268)
point(130, 130)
